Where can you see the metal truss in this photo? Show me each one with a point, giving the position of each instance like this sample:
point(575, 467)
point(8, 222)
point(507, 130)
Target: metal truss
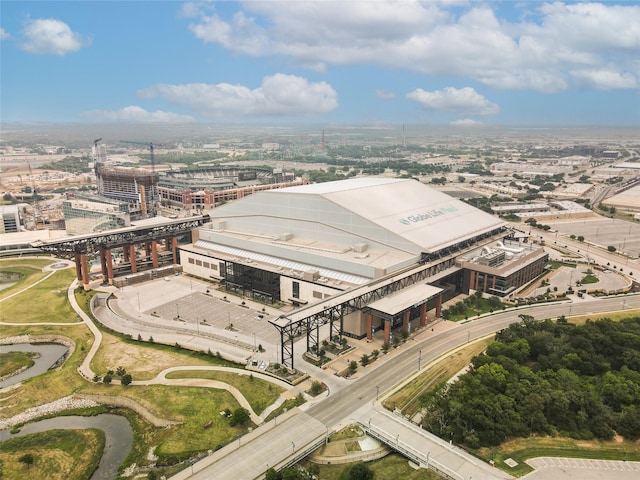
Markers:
point(334, 315)
point(68, 247)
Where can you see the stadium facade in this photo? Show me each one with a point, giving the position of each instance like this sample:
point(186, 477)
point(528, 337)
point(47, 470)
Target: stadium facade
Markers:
point(318, 244)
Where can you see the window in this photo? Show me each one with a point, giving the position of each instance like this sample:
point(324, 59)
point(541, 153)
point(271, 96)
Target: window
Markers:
point(317, 294)
point(199, 263)
point(205, 264)
point(296, 289)
point(191, 261)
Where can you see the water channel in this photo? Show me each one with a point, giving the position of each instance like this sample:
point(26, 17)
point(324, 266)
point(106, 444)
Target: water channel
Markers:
point(117, 430)
point(49, 354)
point(118, 441)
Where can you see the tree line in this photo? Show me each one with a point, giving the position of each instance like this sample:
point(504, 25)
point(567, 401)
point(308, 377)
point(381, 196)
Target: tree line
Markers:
point(545, 378)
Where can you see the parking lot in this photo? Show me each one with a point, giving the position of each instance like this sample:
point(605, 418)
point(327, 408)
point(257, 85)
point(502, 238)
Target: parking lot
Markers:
point(198, 306)
point(550, 468)
point(623, 235)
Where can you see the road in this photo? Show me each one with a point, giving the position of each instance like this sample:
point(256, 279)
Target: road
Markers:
point(348, 403)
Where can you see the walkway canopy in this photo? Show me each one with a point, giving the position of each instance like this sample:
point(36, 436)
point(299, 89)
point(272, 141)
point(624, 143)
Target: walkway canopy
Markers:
point(407, 298)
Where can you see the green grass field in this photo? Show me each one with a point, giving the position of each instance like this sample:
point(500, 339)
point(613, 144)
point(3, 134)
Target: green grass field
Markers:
point(56, 455)
point(11, 362)
point(45, 302)
point(259, 393)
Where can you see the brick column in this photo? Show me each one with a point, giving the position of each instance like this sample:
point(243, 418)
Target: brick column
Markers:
point(109, 260)
point(132, 258)
point(174, 249)
point(125, 253)
point(103, 264)
point(78, 266)
point(85, 272)
point(369, 326)
point(147, 248)
point(405, 320)
point(423, 314)
point(154, 253)
point(387, 330)
point(438, 305)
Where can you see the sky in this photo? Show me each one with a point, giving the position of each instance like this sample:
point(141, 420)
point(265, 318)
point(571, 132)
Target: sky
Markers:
point(463, 63)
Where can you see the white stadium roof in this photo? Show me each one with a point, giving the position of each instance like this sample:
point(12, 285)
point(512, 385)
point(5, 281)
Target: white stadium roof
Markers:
point(401, 215)
point(426, 217)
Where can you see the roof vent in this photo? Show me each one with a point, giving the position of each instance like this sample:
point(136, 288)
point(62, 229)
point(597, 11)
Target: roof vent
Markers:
point(311, 275)
point(360, 247)
point(283, 237)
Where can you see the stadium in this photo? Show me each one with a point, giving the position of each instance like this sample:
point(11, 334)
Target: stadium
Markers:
point(370, 253)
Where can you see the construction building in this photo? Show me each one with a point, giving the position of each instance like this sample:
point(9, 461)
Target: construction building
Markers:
point(135, 186)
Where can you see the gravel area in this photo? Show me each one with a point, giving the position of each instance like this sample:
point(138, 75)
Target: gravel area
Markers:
point(65, 403)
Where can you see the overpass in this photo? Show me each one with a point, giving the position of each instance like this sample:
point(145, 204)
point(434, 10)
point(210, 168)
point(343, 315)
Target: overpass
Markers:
point(149, 234)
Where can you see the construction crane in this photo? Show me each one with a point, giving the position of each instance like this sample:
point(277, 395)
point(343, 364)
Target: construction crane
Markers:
point(148, 144)
point(95, 153)
point(36, 211)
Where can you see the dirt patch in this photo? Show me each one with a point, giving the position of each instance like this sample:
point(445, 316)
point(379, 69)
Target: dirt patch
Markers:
point(141, 362)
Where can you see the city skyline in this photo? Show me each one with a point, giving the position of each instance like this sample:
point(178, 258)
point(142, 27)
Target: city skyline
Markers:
point(447, 62)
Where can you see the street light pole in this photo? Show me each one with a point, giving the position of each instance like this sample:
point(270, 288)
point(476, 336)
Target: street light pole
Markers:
point(377, 392)
point(419, 359)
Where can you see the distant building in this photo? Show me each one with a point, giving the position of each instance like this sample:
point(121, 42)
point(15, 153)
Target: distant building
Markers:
point(10, 218)
point(203, 189)
point(91, 214)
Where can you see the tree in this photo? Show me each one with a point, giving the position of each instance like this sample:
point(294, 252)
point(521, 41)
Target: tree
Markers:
point(611, 248)
point(27, 459)
point(240, 417)
point(385, 347)
point(120, 371)
point(360, 472)
point(316, 387)
point(580, 238)
point(107, 379)
point(126, 379)
point(353, 366)
point(364, 360)
point(271, 474)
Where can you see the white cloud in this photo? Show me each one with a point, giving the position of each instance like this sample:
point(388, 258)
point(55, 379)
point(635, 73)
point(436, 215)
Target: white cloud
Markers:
point(278, 95)
point(466, 122)
point(135, 114)
point(456, 38)
point(606, 79)
point(464, 101)
point(3, 34)
point(383, 94)
point(48, 36)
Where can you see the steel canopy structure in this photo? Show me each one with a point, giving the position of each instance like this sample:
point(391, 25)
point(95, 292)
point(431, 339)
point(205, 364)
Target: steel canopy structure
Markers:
point(308, 320)
point(67, 247)
point(149, 233)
